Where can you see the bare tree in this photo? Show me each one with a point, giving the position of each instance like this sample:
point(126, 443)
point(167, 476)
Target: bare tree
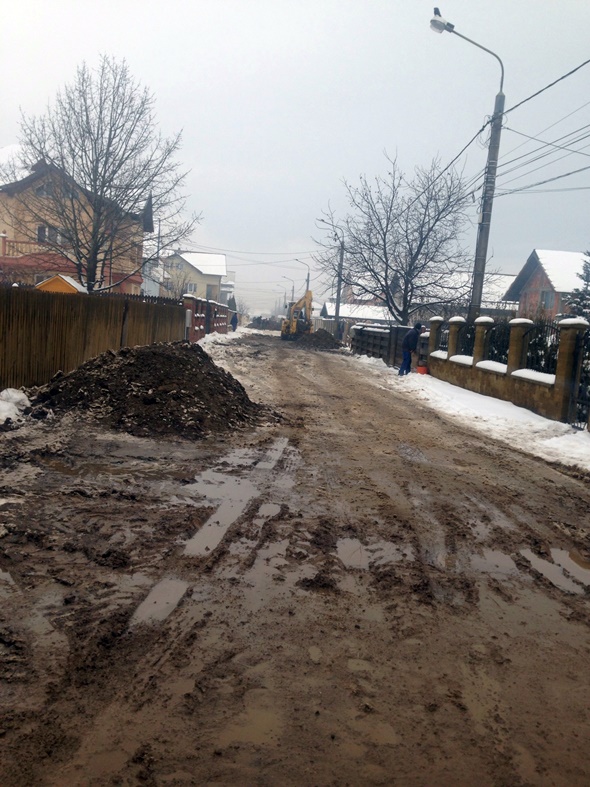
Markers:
point(176, 282)
point(401, 240)
point(101, 174)
point(242, 307)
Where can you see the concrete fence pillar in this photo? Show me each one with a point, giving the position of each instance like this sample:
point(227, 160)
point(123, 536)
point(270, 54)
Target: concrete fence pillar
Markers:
point(567, 374)
point(518, 328)
point(455, 323)
point(483, 326)
point(434, 338)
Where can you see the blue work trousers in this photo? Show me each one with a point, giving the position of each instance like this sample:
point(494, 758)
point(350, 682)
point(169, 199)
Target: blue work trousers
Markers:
point(406, 363)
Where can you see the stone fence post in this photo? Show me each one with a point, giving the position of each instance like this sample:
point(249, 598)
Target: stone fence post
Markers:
point(434, 338)
point(482, 327)
point(567, 374)
point(518, 328)
point(454, 324)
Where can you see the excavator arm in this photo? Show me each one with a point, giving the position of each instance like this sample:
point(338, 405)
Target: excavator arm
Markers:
point(298, 319)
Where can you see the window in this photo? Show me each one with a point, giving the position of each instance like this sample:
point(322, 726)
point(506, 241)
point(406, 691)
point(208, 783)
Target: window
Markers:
point(44, 190)
point(191, 287)
point(50, 235)
point(547, 299)
point(211, 289)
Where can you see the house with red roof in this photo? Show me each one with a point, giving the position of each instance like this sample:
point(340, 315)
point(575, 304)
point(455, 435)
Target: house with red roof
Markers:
point(546, 281)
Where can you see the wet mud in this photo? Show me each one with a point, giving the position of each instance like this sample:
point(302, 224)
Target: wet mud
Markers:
point(357, 593)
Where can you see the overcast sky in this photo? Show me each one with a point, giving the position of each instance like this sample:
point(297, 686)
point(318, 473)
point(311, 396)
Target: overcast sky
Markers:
point(280, 100)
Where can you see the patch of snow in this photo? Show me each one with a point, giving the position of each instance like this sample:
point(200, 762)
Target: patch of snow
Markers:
point(464, 360)
point(457, 320)
point(442, 354)
point(484, 321)
point(12, 402)
point(583, 323)
point(520, 321)
point(535, 377)
point(14, 396)
point(492, 366)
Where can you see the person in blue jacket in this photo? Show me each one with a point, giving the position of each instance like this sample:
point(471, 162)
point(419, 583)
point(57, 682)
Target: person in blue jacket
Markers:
point(409, 345)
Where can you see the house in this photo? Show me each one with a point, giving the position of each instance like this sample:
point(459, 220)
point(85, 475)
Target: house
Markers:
point(228, 288)
point(61, 283)
point(37, 215)
point(546, 281)
point(194, 273)
point(357, 312)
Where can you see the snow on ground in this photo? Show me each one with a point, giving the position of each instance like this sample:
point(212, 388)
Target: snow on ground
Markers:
point(520, 428)
point(12, 402)
point(226, 338)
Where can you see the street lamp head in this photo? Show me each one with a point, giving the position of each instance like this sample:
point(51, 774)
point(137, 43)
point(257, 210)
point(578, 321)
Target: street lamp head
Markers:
point(439, 25)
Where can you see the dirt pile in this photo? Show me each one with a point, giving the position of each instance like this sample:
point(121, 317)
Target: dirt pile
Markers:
point(160, 389)
point(319, 340)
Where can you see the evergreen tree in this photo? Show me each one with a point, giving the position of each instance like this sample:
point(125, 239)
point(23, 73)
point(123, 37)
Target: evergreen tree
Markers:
point(579, 300)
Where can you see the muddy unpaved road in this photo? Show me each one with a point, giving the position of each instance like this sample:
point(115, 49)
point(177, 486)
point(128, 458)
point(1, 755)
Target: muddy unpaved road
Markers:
point(360, 594)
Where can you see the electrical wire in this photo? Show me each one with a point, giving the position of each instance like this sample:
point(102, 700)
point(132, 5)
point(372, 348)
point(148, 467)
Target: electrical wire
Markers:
point(548, 180)
point(543, 89)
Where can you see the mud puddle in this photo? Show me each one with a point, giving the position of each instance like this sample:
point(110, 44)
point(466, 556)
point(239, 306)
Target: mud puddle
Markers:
point(162, 599)
point(234, 495)
point(495, 563)
point(554, 573)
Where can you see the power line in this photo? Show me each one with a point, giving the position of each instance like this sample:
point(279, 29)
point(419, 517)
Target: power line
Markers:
point(261, 253)
point(543, 89)
point(550, 144)
point(543, 130)
point(549, 180)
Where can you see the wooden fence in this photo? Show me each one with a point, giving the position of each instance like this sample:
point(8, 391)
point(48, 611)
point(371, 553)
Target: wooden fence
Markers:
point(42, 333)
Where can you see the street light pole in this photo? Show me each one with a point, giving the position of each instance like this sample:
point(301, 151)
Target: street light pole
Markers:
point(292, 287)
point(440, 25)
point(340, 240)
point(308, 271)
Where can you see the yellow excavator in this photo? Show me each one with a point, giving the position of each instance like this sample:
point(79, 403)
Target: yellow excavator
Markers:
point(298, 319)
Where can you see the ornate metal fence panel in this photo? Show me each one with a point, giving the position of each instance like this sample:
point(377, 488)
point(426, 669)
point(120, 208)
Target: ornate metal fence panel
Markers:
point(498, 339)
point(580, 405)
point(466, 339)
point(443, 342)
point(540, 348)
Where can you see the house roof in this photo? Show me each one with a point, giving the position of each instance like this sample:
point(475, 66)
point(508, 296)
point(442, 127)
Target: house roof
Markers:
point(358, 311)
point(560, 267)
point(68, 279)
point(41, 169)
point(208, 264)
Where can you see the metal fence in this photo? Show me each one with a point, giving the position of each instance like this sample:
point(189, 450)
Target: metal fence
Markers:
point(498, 343)
point(580, 404)
point(466, 339)
point(540, 346)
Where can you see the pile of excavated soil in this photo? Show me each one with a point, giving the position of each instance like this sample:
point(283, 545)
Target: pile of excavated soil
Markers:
point(319, 340)
point(159, 389)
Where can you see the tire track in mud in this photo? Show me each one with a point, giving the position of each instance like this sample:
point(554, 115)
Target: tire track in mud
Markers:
point(340, 628)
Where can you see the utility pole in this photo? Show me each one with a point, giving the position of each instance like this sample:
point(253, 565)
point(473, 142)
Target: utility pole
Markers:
point(339, 289)
point(440, 25)
point(487, 203)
